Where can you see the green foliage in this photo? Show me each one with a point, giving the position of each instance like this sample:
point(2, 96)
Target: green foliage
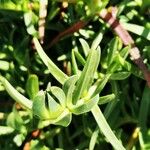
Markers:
point(32, 86)
point(139, 30)
point(87, 72)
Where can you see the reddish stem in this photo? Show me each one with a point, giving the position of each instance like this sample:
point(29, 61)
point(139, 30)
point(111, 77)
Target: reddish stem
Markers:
point(127, 40)
point(27, 142)
point(75, 27)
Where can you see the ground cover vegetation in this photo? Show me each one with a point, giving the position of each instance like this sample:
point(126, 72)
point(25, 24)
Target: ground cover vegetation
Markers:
point(74, 74)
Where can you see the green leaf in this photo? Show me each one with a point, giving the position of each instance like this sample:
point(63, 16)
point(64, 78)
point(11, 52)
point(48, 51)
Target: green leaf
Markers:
point(18, 139)
point(15, 94)
point(120, 75)
point(54, 70)
point(105, 128)
point(83, 105)
point(106, 99)
point(93, 139)
point(37, 144)
point(139, 30)
point(85, 46)
point(39, 107)
point(64, 119)
point(28, 19)
point(87, 75)
point(100, 84)
point(113, 67)
point(110, 53)
point(86, 33)
point(15, 121)
point(80, 58)
point(68, 88)
point(54, 10)
point(125, 52)
point(126, 65)
point(4, 65)
point(135, 71)
point(119, 61)
point(59, 94)
point(113, 47)
point(74, 63)
point(9, 5)
point(45, 107)
point(144, 108)
point(97, 40)
point(32, 86)
point(5, 130)
point(146, 52)
point(145, 5)
point(97, 5)
point(54, 108)
point(1, 87)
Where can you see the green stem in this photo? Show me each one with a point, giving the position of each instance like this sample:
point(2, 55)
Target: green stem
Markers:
point(105, 128)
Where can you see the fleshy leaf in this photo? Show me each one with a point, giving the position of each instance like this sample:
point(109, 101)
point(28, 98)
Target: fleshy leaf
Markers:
point(110, 53)
point(105, 128)
point(101, 83)
point(54, 108)
point(15, 94)
point(5, 130)
point(39, 106)
point(144, 108)
point(85, 46)
point(28, 17)
point(83, 106)
point(113, 47)
point(87, 75)
point(37, 144)
point(18, 139)
point(68, 88)
point(106, 99)
point(139, 30)
point(4, 65)
point(32, 86)
point(64, 119)
point(79, 57)
point(74, 63)
point(15, 121)
point(93, 139)
point(59, 94)
point(120, 75)
point(124, 52)
point(97, 40)
point(54, 70)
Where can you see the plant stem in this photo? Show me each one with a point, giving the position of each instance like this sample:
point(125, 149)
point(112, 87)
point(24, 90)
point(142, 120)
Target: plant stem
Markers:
point(127, 40)
point(75, 27)
point(105, 128)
